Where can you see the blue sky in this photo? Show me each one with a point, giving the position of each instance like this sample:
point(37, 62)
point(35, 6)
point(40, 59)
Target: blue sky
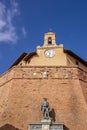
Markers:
point(24, 22)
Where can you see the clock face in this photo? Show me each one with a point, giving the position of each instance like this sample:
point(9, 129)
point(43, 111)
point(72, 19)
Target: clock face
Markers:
point(49, 53)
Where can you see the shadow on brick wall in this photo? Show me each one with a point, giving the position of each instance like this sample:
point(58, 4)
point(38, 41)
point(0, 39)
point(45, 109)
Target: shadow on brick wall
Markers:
point(8, 127)
point(66, 128)
point(52, 115)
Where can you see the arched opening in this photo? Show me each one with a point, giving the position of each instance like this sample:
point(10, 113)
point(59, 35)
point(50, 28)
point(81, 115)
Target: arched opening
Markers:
point(49, 40)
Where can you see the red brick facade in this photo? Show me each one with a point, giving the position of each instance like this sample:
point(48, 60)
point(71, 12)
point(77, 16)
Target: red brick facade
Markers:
point(22, 93)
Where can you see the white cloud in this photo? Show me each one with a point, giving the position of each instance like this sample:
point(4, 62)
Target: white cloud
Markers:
point(7, 28)
point(2, 24)
point(24, 32)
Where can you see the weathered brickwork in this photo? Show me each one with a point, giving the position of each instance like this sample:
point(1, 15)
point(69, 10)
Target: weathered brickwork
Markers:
point(6, 77)
point(38, 72)
point(84, 89)
point(23, 89)
point(82, 75)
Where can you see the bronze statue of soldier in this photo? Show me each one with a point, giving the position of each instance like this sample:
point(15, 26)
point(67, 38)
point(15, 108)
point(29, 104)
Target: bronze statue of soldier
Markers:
point(45, 109)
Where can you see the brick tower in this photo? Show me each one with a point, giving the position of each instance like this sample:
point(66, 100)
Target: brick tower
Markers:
point(53, 73)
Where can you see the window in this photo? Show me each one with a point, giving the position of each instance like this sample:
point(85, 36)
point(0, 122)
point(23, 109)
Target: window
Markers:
point(49, 40)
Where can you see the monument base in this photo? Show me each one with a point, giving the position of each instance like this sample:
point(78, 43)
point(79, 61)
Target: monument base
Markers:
point(45, 126)
point(46, 121)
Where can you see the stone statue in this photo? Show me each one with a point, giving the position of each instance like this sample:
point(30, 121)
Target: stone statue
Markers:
point(45, 109)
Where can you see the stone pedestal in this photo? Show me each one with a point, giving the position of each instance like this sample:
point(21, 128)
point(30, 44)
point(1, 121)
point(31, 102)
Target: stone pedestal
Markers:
point(45, 126)
point(46, 121)
point(35, 126)
point(57, 126)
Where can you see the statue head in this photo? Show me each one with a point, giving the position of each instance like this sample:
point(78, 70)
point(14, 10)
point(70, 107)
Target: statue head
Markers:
point(45, 99)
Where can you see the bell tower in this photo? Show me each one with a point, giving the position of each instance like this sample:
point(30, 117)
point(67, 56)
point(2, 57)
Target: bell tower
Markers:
point(50, 39)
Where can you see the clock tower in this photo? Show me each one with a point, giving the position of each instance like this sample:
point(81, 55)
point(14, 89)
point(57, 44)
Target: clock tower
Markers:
point(50, 53)
point(49, 42)
point(50, 39)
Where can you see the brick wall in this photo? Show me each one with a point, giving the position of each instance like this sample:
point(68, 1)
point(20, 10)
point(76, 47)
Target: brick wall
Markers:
point(24, 92)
